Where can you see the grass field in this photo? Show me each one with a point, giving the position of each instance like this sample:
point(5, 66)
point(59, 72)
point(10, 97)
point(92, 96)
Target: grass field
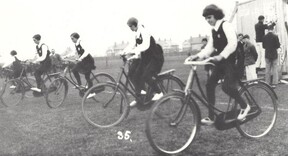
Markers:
point(32, 128)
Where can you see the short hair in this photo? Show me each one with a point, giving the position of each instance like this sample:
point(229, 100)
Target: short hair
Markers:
point(240, 34)
point(75, 35)
point(261, 17)
point(204, 39)
point(37, 37)
point(13, 52)
point(246, 36)
point(212, 9)
point(132, 21)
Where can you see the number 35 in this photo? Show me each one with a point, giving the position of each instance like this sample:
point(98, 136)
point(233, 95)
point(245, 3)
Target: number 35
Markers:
point(126, 135)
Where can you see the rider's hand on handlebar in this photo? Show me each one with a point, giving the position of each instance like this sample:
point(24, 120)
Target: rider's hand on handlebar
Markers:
point(215, 59)
point(193, 58)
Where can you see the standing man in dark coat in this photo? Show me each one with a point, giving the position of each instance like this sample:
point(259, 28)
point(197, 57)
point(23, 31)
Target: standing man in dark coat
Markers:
point(271, 44)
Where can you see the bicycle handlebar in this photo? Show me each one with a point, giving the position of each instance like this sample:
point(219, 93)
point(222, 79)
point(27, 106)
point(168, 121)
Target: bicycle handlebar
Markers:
point(200, 62)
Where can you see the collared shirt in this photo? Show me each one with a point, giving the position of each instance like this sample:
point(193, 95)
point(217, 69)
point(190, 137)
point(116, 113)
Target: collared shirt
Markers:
point(86, 53)
point(142, 35)
point(231, 39)
point(44, 52)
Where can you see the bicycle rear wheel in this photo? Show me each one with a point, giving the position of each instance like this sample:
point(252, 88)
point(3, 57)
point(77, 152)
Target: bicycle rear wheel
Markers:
point(170, 131)
point(56, 92)
point(107, 108)
point(267, 103)
point(28, 85)
point(102, 78)
point(12, 93)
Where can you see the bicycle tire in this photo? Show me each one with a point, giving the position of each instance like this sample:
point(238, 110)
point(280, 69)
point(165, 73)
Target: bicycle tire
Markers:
point(267, 101)
point(12, 93)
point(107, 108)
point(56, 92)
point(176, 134)
point(28, 85)
point(102, 78)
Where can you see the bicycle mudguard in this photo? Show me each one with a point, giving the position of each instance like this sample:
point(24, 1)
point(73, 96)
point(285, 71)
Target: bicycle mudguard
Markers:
point(227, 120)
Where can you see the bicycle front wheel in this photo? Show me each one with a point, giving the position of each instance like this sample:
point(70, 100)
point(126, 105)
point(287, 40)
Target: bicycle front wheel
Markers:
point(56, 92)
point(12, 93)
point(102, 78)
point(107, 107)
point(264, 102)
point(171, 130)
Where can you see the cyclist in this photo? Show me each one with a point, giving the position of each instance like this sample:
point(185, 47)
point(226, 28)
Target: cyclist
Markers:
point(42, 57)
point(85, 62)
point(148, 61)
point(14, 63)
point(223, 42)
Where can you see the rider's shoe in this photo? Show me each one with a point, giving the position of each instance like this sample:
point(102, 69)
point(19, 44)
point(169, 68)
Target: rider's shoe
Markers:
point(143, 92)
point(157, 96)
point(91, 95)
point(207, 121)
point(36, 89)
point(12, 87)
point(243, 113)
point(133, 103)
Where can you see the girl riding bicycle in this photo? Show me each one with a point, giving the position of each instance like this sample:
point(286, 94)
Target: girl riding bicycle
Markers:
point(85, 62)
point(43, 59)
point(147, 63)
point(223, 41)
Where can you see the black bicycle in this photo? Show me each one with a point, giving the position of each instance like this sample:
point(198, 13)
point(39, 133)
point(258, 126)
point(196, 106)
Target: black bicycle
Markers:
point(110, 105)
point(14, 90)
point(175, 118)
point(57, 90)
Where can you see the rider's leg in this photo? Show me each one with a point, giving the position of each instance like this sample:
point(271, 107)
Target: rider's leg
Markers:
point(230, 86)
point(212, 81)
point(89, 81)
point(75, 71)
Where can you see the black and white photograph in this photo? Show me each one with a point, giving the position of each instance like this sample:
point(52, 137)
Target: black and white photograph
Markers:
point(143, 78)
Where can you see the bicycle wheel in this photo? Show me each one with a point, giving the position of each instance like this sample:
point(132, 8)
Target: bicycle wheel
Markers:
point(266, 101)
point(171, 131)
point(169, 83)
point(28, 85)
point(102, 78)
point(56, 92)
point(12, 93)
point(107, 108)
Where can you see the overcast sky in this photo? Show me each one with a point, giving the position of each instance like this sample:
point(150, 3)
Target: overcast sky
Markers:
point(99, 23)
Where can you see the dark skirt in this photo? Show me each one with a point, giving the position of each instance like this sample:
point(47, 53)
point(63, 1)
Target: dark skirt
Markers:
point(85, 66)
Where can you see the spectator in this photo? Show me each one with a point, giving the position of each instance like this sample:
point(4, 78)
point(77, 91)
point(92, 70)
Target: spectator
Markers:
point(250, 57)
point(240, 55)
point(271, 44)
point(56, 61)
point(260, 32)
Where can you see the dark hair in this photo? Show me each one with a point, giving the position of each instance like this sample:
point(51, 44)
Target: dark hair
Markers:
point(204, 39)
point(270, 27)
point(246, 36)
point(75, 35)
point(212, 9)
point(37, 37)
point(240, 34)
point(132, 21)
point(13, 52)
point(261, 17)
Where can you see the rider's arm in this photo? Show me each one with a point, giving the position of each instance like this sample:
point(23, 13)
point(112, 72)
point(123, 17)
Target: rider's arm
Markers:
point(8, 62)
point(209, 48)
point(44, 54)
